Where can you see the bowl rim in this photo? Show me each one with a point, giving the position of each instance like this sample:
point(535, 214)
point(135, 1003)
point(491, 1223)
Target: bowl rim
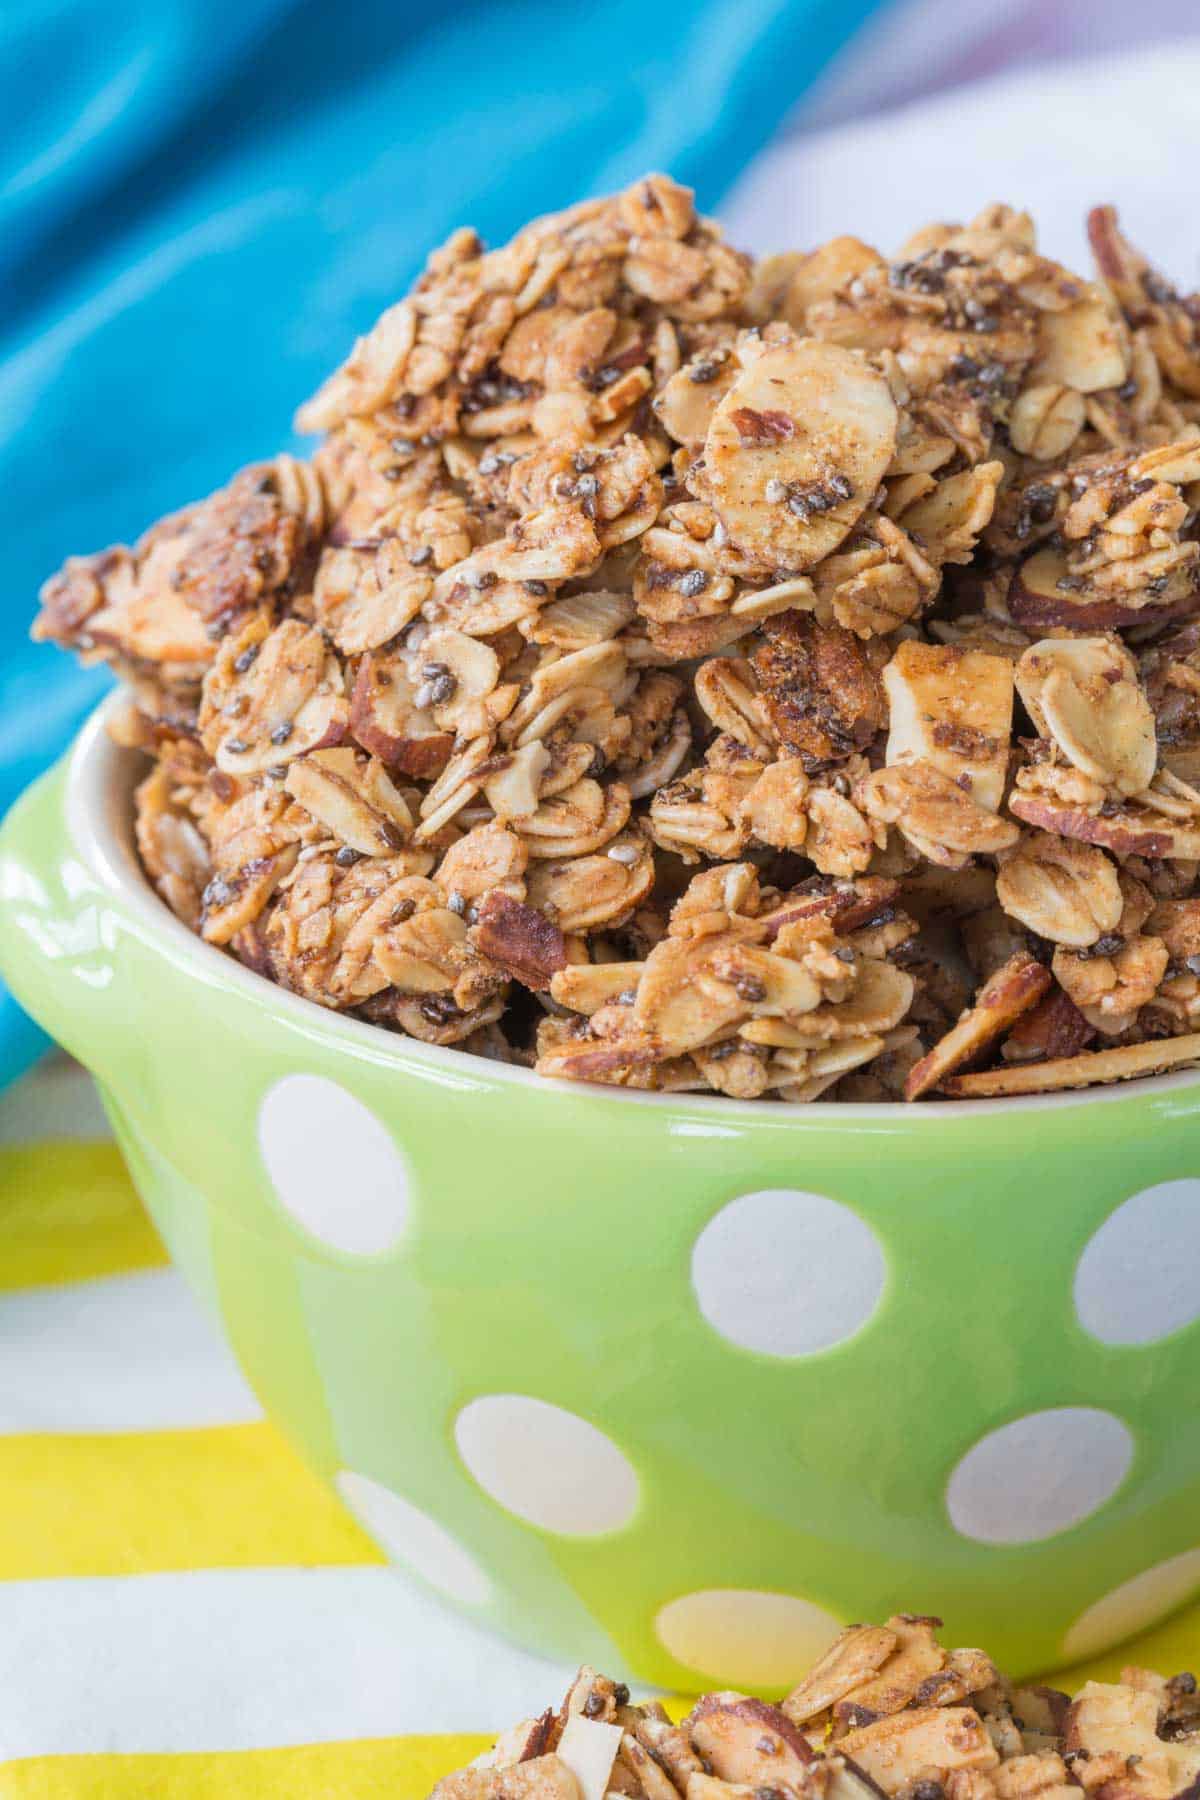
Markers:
point(99, 779)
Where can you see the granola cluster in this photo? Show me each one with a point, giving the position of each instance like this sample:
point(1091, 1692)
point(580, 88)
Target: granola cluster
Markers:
point(886, 1714)
point(779, 679)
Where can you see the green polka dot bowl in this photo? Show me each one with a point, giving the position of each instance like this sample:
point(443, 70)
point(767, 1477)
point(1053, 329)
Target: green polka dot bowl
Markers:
point(671, 1383)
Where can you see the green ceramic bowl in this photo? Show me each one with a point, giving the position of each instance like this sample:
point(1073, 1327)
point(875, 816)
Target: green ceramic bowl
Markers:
point(671, 1383)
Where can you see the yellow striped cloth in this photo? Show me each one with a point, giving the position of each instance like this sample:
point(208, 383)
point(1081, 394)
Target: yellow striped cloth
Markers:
point(185, 1611)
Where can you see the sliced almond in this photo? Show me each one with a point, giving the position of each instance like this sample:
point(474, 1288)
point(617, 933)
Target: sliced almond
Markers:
point(915, 1657)
point(687, 402)
point(589, 1749)
point(1054, 1029)
point(385, 718)
point(953, 709)
point(819, 425)
point(1012, 990)
point(1083, 346)
point(1124, 1064)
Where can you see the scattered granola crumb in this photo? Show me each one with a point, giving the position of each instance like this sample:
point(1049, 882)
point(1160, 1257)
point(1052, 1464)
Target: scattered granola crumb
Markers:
point(885, 1714)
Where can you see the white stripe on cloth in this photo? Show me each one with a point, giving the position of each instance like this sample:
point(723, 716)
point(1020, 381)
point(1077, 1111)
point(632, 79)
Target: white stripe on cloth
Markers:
point(126, 1353)
point(248, 1659)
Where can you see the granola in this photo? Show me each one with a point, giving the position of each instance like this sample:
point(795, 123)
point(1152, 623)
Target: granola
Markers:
point(779, 680)
point(885, 1714)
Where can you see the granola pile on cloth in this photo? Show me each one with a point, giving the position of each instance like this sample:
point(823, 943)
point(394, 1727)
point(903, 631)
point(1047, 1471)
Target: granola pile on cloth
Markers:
point(885, 1712)
point(671, 671)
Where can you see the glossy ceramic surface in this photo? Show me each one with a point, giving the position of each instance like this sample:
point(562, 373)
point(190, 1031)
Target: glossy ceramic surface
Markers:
point(669, 1383)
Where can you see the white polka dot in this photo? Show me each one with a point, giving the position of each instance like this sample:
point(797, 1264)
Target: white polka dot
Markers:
point(410, 1536)
point(1037, 1476)
point(787, 1272)
point(333, 1165)
point(1134, 1605)
point(1139, 1277)
point(744, 1638)
point(547, 1465)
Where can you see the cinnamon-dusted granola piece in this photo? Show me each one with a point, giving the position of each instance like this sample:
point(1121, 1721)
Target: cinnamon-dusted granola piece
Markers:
point(1112, 1736)
point(921, 1744)
point(1084, 694)
point(174, 851)
point(821, 694)
point(1011, 991)
point(537, 1778)
point(1112, 983)
point(192, 575)
point(746, 1740)
point(1147, 301)
point(520, 939)
point(272, 695)
point(1061, 889)
point(1053, 1029)
point(934, 813)
point(852, 1659)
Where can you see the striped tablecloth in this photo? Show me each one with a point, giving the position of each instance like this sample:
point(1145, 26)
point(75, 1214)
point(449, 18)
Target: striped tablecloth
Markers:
point(184, 1609)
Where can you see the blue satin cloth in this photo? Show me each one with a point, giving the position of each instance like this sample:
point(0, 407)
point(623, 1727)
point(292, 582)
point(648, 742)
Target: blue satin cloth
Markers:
point(203, 202)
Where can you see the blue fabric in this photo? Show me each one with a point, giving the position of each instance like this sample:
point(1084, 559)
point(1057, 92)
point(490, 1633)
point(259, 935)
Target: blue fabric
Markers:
point(202, 202)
